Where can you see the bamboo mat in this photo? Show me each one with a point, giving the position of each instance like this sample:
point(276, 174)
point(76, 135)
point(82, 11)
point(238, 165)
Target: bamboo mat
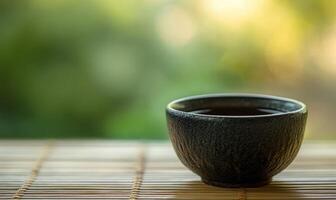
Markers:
point(144, 170)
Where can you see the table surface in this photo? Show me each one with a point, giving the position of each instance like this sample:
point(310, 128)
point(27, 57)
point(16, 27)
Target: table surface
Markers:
point(107, 169)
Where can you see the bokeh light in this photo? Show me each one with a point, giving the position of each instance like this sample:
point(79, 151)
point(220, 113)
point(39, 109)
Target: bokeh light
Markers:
point(175, 26)
point(104, 68)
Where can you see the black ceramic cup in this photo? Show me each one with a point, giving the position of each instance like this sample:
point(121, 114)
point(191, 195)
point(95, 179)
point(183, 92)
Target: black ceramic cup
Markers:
point(236, 140)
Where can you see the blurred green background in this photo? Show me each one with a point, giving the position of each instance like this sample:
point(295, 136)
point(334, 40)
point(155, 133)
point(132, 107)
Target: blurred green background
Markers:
point(107, 68)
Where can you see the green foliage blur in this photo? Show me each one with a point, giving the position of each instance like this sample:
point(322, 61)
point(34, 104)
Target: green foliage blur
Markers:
point(107, 68)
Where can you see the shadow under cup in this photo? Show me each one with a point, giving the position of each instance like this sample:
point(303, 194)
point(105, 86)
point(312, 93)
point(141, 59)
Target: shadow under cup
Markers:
point(236, 140)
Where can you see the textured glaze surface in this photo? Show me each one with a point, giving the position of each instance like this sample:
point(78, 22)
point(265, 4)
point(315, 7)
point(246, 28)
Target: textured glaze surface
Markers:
point(233, 151)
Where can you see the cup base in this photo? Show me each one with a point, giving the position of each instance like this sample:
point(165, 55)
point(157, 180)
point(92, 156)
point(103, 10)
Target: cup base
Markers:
point(237, 185)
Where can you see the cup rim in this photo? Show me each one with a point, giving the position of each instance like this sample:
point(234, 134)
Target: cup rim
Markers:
point(302, 109)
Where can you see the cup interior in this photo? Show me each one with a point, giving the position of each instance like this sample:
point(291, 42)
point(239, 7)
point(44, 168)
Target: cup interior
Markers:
point(236, 105)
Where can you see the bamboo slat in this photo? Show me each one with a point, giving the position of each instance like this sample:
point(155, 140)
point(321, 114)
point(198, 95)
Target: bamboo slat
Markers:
point(108, 169)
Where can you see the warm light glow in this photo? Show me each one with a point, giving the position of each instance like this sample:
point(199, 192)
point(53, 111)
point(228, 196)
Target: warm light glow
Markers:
point(175, 27)
point(277, 29)
point(232, 13)
point(325, 52)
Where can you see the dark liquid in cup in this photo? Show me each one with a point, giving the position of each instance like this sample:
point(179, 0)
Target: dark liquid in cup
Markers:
point(236, 111)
